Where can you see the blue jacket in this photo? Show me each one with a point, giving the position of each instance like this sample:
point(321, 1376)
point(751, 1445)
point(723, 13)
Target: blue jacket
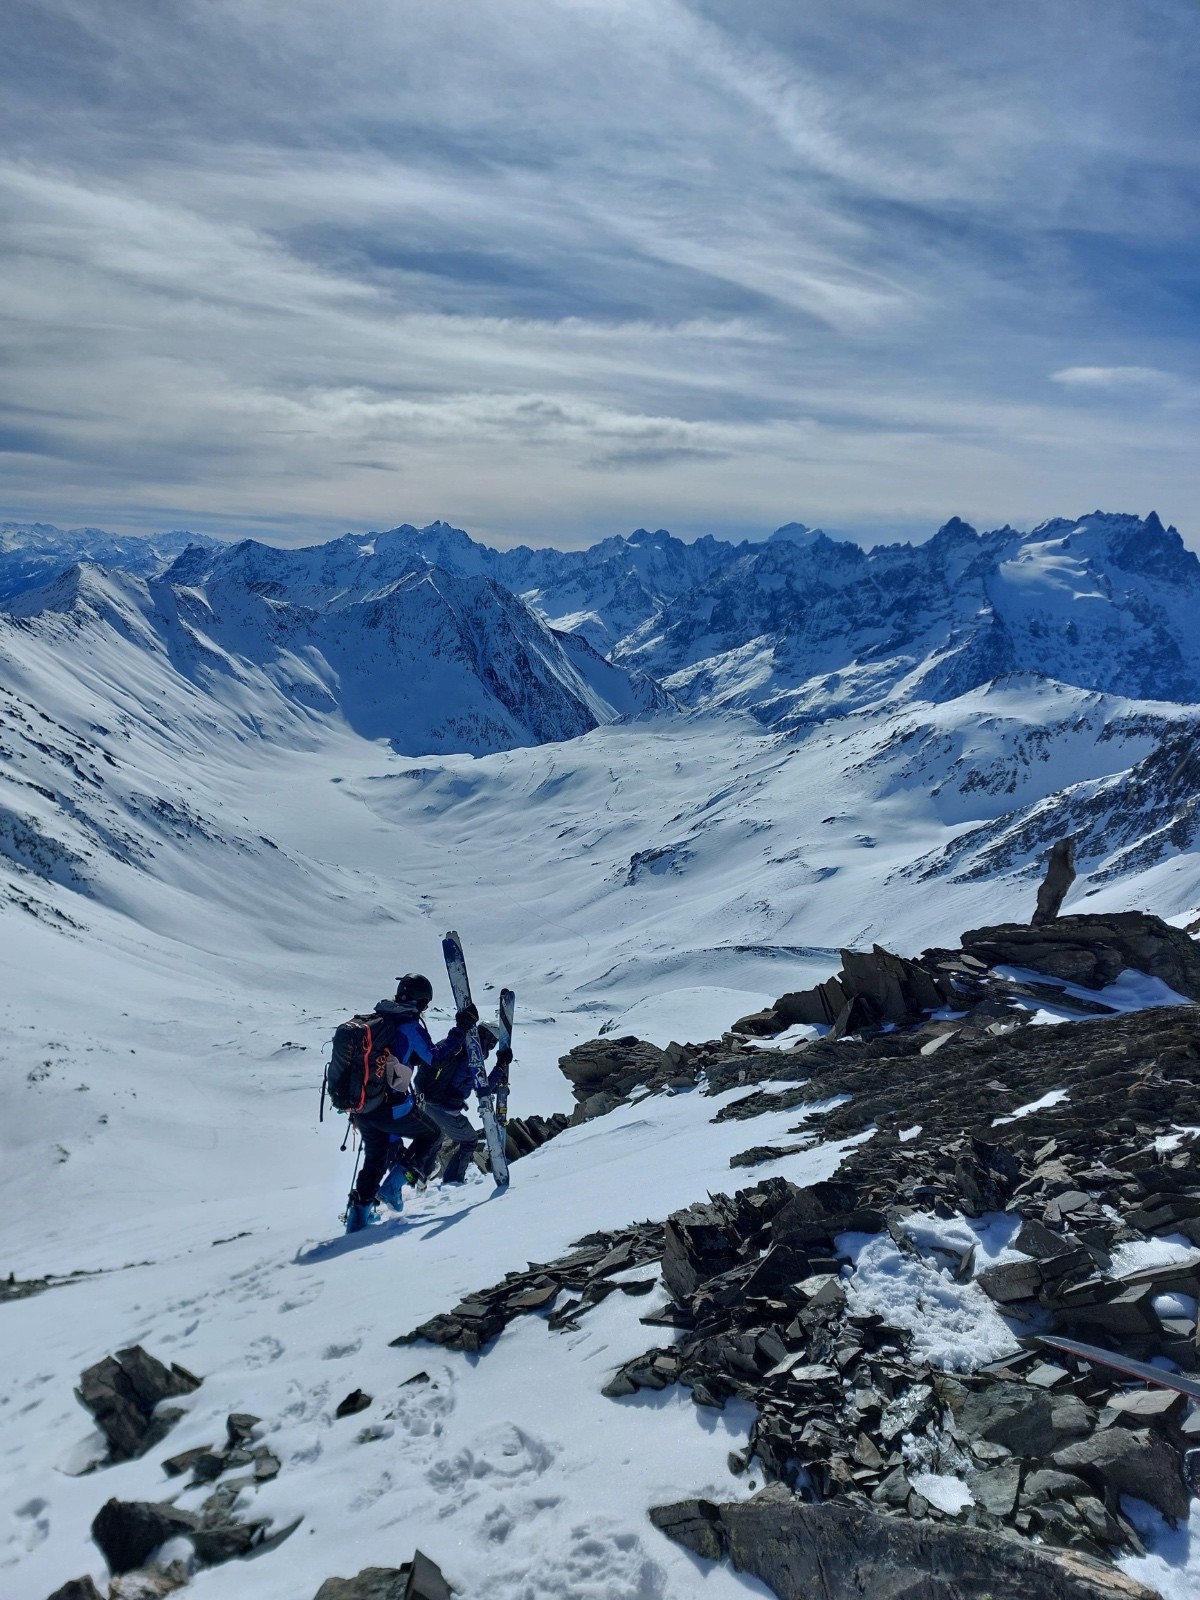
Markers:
point(443, 1072)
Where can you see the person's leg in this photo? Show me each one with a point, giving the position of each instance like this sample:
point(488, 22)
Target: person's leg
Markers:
point(456, 1126)
point(376, 1139)
point(425, 1140)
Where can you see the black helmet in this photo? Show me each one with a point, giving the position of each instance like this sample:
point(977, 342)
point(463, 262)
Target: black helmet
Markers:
point(414, 989)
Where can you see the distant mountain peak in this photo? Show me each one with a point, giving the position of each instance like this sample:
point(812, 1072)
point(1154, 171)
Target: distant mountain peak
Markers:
point(956, 528)
point(797, 533)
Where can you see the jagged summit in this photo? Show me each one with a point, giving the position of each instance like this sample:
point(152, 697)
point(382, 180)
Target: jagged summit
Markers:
point(797, 627)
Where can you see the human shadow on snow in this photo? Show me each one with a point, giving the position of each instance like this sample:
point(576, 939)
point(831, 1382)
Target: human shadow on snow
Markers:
point(330, 1249)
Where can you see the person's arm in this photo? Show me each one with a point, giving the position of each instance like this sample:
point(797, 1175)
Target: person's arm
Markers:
point(499, 1073)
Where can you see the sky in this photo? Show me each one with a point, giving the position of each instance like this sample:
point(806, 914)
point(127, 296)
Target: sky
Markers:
point(554, 269)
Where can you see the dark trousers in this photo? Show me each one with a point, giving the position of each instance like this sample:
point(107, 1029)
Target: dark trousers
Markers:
point(383, 1137)
point(445, 1124)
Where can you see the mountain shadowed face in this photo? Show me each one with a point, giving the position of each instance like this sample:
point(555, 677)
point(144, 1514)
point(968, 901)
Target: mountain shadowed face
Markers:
point(554, 268)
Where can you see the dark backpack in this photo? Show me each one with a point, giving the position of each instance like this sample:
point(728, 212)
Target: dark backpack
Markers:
point(358, 1046)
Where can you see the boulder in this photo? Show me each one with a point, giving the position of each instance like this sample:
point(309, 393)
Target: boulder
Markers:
point(77, 1589)
point(372, 1583)
point(1126, 1461)
point(1024, 1421)
point(1011, 1280)
point(842, 1551)
point(887, 987)
point(1094, 950)
point(128, 1531)
point(697, 1245)
point(122, 1392)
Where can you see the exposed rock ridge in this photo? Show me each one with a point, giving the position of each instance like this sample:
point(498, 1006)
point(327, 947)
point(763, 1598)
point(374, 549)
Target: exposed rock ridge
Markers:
point(838, 1552)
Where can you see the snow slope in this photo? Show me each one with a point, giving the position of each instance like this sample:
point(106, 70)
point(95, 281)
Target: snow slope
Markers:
point(213, 846)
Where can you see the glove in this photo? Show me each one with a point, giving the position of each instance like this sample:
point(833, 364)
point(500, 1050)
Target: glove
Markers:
point(467, 1017)
point(504, 1058)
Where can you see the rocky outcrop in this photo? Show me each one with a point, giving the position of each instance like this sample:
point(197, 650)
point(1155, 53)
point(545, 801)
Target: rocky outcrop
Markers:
point(840, 1552)
point(123, 1392)
point(129, 1531)
point(1094, 950)
point(604, 1072)
point(587, 1274)
point(418, 1579)
point(876, 988)
point(1060, 875)
point(873, 987)
point(206, 1463)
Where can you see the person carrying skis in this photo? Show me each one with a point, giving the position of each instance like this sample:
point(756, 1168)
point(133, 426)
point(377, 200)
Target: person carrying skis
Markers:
point(443, 1083)
point(391, 1112)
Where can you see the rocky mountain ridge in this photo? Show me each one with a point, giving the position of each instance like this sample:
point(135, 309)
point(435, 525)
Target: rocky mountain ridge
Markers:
point(798, 627)
point(429, 661)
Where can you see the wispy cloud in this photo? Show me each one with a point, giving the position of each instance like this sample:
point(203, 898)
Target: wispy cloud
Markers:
point(552, 266)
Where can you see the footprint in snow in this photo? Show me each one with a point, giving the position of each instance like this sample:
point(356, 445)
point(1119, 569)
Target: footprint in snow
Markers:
point(502, 1452)
point(33, 1523)
point(263, 1351)
point(602, 1563)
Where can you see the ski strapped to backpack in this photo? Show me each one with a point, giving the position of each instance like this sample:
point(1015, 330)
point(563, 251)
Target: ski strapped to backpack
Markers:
point(357, 1047)
point(508, 1001)
point(456, 969)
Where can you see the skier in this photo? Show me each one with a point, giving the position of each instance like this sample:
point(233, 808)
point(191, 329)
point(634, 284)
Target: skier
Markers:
point(392, 1112)
point(443, 1083)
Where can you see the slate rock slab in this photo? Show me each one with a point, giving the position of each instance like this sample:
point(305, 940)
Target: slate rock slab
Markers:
point(122, 1392)
point(1132, 1462)
point(418, 1579)
point(837, 1551)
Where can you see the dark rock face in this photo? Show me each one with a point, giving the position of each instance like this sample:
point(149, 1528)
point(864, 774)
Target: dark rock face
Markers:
point(128, 1531)
point(1094, 950)
point(372, 1583)
point(840, 1552)
point(77, 1589)
point(603, 1071)
point(418, 1579)
point(1128, 1462)
point(764, 1305)
point(872, 987)
point(1060, 875)
point(122, 1392)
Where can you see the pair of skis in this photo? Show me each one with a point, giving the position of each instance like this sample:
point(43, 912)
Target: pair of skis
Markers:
point(493, 1108)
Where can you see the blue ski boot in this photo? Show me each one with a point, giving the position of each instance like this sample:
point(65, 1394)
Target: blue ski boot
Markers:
point(359, 1216)
point(391, 1190)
